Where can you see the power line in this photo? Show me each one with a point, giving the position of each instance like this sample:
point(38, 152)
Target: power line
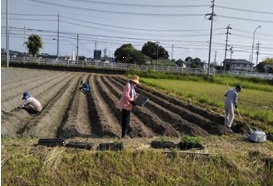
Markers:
point(244, 10)
point(48, 15)
point(141, 5)
point(118, 12)
point(245, 19)
point(140, 34)
point(155, 30)
point(25, 19)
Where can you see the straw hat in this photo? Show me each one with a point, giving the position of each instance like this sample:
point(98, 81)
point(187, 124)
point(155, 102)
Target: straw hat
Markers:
point(135, 79)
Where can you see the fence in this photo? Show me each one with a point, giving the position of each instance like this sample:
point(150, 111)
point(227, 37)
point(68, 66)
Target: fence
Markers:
point(122, 66)
point(126, 66)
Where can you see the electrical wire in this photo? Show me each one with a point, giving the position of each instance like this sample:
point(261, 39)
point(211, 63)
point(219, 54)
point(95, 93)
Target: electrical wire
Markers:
point(245, 19)
point(140, 5)
point(130, 28)
point(118, 12)
point(244, 10)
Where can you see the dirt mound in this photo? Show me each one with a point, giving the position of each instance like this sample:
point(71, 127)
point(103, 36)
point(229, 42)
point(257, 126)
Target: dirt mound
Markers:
point(69, 113)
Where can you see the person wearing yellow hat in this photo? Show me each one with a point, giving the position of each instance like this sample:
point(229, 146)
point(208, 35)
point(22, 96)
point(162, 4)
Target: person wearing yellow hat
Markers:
point(126, 104)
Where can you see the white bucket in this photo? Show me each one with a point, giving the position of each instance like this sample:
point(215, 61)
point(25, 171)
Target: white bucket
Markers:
point(257, 136)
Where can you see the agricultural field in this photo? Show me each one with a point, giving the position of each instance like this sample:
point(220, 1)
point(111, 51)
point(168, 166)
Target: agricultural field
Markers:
point(69, 113)
point(228, 158)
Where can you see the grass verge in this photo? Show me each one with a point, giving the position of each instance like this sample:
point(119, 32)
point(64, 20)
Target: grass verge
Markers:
point(24, 164)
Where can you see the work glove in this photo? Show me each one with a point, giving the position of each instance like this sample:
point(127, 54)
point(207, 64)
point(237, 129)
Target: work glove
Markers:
point(133, 103)
point(20, 107)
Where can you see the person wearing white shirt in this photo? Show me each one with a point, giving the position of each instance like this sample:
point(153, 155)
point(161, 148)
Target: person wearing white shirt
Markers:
point(30, 104)
point(231, 101)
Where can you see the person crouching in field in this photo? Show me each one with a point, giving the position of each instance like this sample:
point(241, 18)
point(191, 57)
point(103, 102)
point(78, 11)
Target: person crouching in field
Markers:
point(231, 99)
point(126, 104)
point(30, 104)
point(85, 88)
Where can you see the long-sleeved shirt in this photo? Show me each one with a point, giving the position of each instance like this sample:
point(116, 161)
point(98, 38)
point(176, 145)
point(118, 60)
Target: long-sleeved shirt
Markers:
point(231, 98)
point(85, 87)
point(128, 95)
point(32, 102)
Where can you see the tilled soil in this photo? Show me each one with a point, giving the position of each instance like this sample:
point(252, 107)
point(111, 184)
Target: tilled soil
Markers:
point(69, 113)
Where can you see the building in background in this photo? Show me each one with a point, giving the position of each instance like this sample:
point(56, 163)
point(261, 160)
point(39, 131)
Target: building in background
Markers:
point(238, 65)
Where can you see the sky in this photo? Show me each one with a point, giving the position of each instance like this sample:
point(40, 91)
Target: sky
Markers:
point(181, 27)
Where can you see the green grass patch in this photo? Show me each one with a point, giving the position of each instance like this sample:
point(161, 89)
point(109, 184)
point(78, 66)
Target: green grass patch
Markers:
point(253, 103)
point(190, 139)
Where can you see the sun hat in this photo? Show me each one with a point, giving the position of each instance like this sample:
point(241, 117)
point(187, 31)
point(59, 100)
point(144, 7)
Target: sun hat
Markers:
point(135, 79)
point(26, 95)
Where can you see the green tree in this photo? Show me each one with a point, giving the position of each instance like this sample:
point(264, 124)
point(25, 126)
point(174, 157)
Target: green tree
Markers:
point(197, 60)
point(154, 51)
point(128, 54)
point(188, 59)
point(260, 66)
point(268, 60)
point(34, 44)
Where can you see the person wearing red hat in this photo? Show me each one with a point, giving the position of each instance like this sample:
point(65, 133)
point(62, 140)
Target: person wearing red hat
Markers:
point(126, 104)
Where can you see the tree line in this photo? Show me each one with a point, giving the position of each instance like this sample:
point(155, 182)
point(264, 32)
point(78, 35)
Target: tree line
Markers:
point(127, 53)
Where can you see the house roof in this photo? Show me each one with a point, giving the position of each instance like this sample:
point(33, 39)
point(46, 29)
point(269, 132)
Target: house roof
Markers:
point(237, 61)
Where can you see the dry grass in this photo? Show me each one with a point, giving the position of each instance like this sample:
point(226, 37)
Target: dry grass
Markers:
point(226, 160)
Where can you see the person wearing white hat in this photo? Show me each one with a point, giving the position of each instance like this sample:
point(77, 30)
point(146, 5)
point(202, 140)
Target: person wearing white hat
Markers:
point(231, 100)
point(30, 104)
point(126, 104)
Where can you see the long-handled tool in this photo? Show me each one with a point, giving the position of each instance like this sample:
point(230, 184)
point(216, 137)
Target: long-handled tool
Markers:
point(239, 114)
point(228, 86)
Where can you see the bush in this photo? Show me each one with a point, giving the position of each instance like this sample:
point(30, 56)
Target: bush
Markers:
point(3, 63)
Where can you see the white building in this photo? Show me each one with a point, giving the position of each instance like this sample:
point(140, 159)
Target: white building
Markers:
point(238, 65)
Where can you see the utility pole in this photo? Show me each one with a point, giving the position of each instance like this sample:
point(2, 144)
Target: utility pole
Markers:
point(157, 51)
point(258, 47)
point(211, 15)
point(253, 43)
point(227, 33)
point(58, 36)
point(231, 52)
point(24, 42)
point(77, 59)
point(7, 31)
point(172, 52)
point(215, 55)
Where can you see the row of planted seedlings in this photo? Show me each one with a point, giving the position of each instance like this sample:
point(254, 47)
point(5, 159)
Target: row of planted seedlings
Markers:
point(53, 142)
point(186, 142)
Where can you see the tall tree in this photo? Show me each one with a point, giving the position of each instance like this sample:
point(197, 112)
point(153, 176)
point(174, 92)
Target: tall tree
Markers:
point(260, 66)
point(189, 59)
point(154, 51)
point(128, 54)
point(34, 44)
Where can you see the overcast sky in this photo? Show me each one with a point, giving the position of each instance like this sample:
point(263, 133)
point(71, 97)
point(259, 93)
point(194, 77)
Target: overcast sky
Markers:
point(181, 27)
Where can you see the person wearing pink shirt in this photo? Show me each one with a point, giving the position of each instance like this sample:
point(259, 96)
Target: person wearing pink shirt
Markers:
point(126, 104)
point(30, 104)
